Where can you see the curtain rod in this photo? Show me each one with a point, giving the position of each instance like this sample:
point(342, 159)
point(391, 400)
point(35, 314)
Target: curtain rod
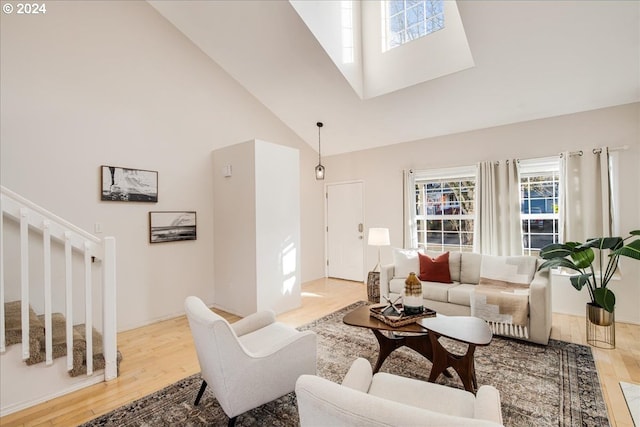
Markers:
point(597, 150)
point(571, 153)
point(580, 152)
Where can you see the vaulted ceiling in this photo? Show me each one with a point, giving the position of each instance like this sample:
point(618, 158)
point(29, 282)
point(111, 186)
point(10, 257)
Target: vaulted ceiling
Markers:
point(533, 59)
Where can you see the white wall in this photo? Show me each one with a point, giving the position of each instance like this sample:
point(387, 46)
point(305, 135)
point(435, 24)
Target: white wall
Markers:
point(256, 228)
point(113, 83)
point(277, 227)
point(329, 22)
point(381, 169)
point(234, 236)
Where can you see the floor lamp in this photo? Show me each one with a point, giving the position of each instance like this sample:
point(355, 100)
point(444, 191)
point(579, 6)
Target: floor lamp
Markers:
point(377, 237)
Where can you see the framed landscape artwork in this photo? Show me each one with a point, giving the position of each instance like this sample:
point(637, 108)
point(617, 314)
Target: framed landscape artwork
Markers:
point(172, 226)
point(129, 185)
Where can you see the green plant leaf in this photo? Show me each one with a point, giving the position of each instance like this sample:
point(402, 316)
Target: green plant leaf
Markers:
point(559, 262)
point(605, 298)
point(583, 258)
point(555, 250)
point(632, 250)
point(603, 243)
point(578, 282)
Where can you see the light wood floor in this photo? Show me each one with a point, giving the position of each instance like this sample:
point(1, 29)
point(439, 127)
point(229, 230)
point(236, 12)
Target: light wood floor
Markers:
point(163, 353)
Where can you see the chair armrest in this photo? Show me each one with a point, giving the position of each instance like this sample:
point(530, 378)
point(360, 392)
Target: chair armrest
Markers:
point(253, 322)
point(359, 376)
point(301, 339)
point(540, 307)
point(324, 403)
point(386, 274)
point(487, 404)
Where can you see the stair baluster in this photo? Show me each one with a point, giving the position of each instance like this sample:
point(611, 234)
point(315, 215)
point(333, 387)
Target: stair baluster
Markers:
point(88, 320)
point(48, 334)
point(24, 280)
point(109, 311)
point(3, 338)
point(68, 297)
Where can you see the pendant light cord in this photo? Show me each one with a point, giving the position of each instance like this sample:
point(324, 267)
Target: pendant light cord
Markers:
point(319, 124)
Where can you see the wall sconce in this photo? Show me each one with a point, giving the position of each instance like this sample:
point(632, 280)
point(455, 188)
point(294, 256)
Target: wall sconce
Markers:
point(378, 237)
point(319, 168)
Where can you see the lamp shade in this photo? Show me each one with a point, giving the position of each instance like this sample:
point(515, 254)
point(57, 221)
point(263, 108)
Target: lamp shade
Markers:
point(379, 237)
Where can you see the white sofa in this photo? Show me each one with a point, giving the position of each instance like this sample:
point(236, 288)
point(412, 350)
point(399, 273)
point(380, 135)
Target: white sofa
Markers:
point(383, 399)
point(455, 299)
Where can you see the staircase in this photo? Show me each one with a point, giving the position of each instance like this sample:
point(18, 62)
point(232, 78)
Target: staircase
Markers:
point(54, 268)
point(37, 340)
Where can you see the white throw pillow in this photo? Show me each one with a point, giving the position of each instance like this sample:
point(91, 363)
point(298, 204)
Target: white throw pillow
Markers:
point(405, 261)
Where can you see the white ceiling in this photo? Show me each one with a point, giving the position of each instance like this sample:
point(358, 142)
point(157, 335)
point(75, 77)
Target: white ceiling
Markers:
point(533, 59)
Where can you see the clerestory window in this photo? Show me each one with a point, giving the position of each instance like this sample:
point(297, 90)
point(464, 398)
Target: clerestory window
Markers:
point(407, 20)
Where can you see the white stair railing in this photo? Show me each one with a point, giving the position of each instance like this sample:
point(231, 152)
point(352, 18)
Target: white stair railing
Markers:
point(30, 216)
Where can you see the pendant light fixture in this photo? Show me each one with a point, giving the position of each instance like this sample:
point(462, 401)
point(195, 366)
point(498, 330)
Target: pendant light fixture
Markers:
point(319, 168)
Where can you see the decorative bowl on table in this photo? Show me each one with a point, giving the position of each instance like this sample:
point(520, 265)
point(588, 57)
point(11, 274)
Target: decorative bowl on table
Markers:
point(394, 315)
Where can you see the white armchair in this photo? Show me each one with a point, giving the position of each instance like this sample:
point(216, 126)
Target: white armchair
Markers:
point(364, 399)
point(250, 362)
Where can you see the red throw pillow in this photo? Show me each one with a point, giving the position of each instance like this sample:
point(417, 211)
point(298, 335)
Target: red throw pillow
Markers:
point(435, 269)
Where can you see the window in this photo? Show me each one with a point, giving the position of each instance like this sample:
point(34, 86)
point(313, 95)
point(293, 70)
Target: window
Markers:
point(539, 187)
point(408, 20)
point(444, 208)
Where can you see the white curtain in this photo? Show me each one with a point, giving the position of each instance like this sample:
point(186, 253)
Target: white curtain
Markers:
point(498, 228)
point(585, 196)
point(410, 238)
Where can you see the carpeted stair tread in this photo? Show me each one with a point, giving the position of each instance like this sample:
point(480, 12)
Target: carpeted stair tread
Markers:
point(59, 340)
point(37, 340)
point(59, 349)
point(80, 362)
point(59, 329)
point(81, 342)
point(79, 352)
point(13, 324)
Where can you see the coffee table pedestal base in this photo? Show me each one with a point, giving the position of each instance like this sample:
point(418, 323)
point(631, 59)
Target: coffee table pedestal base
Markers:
point(390, 343)
point(463, 365)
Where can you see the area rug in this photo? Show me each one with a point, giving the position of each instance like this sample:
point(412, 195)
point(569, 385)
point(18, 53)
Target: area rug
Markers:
point(553, 385)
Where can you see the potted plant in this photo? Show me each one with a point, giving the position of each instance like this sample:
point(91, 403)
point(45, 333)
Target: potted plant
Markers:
point(581, 257)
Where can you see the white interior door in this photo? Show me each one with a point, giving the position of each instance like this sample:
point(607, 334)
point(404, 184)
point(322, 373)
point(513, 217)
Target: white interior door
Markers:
point(345, 231)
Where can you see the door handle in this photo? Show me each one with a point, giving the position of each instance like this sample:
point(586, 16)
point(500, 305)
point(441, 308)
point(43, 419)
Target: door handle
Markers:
point(360, 227)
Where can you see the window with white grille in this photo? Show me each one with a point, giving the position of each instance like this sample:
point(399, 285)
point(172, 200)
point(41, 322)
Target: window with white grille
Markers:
point(444, 208)
point(407, 20)
point(539, 211)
